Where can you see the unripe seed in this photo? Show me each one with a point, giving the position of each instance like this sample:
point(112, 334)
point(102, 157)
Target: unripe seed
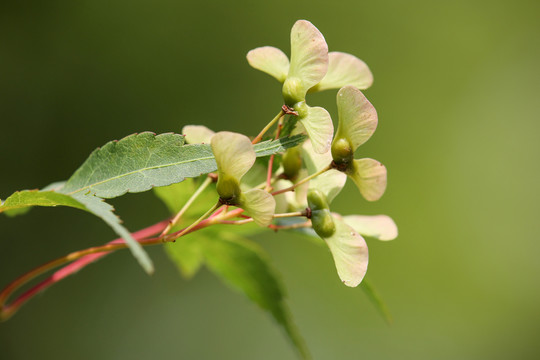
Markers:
point(293, 91)
point(317, 200)
point(292, 162)
point(228, 189)
point(321, 218)
point(323, 223)
point(342, 152)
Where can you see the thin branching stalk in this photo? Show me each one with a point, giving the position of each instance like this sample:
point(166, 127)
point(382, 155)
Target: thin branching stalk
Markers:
point(271, 161)
point(186, 206)
point(268, 126)
point(85, 257)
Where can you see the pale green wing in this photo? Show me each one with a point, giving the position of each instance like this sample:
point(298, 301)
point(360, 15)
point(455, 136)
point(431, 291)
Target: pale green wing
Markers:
point(309, 54)
point(345, 69)
point(318, 125)
point(282, 200)
point(298, 197)
point(260, 205)
point(270, 60)
point(380, 227)
point(369, 175)
point(234, 154)
point(357, 117)
point(330, 183)
point(350, 253)
point(197, 134)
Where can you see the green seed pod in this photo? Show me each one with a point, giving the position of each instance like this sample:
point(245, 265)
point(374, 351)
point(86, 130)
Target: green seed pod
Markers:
point(228, 190)
point(317, 200)
point(323, 223)
point(292, 162)
point(342, 152)
point(321, 218)
point(293, 91)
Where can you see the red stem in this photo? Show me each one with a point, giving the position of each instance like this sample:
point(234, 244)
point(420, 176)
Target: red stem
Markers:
point(271, 161)
point(77, 265)
point(93, 254)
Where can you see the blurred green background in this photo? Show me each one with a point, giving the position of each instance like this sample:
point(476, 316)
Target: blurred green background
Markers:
point(456, 87)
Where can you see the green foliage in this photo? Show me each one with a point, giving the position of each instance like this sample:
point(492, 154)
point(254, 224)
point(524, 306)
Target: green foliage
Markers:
point(236, 260)
point(21, 201)
point(135, 163)
point(288, 125)
point(140, 162)
point(271, 147)
point(243, 265)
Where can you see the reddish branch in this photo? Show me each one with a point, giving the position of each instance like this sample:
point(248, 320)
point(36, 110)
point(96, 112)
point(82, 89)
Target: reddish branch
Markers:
point(6, 310)
point(82, 258)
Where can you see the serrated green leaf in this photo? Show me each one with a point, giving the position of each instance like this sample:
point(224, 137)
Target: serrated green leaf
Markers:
point(21, 201)
point(244, 266)
point(270, 147)
point(289, 125)
point(141, 161)
point(376, 299)
point(136, 163)
point(104, 211)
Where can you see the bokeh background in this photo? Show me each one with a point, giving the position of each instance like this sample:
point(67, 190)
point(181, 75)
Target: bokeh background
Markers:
point(456, 87)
